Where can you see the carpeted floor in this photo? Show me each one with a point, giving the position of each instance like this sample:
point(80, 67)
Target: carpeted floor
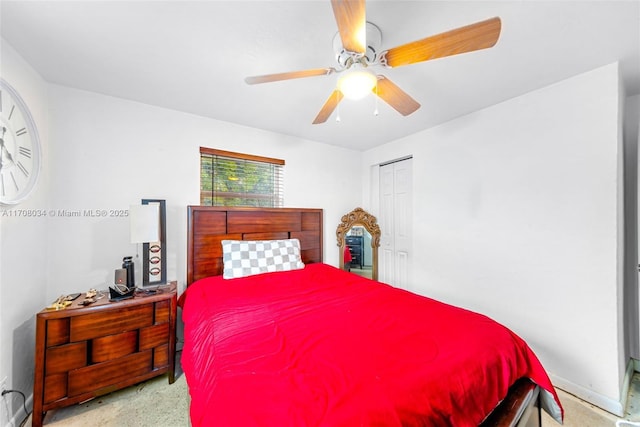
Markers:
point(579, 413)
point(155, 403)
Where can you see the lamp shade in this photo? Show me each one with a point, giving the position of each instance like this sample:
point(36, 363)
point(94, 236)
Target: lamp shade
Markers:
point(356, 83)
point(144, 223)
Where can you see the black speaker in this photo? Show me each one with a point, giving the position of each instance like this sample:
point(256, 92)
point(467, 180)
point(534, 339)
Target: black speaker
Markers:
point(127, 264)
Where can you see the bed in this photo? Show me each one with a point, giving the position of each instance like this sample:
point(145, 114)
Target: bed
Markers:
point(317, 346)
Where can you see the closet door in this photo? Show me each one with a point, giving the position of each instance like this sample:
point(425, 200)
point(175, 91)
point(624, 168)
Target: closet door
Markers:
point(395, 223)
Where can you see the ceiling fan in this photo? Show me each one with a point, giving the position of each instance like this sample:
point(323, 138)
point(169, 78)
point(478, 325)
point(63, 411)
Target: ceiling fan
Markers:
point(357, 48)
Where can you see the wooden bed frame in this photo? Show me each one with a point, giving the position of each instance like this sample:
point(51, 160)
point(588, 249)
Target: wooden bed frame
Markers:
point(208, 226)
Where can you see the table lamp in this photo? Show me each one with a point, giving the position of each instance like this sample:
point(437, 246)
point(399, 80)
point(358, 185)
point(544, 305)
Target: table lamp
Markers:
point(144, 227)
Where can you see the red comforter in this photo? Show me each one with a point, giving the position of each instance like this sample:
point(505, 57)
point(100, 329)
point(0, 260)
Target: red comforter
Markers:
point(321, 347)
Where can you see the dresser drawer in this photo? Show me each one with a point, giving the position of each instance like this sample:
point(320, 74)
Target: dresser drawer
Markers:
point(100, 375)
point(110, 322)
point(161, 356)
point(57, 331)
point(162, 311)
point(113, 346)
point(154, 336)
point(55, 387)
point(66, 357)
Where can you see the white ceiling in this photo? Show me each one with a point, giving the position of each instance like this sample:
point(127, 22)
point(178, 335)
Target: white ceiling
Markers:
point(193, 56)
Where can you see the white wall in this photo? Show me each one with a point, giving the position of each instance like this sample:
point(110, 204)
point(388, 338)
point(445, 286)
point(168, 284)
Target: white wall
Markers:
point(632, 297)
point(23, 274)
point(517, 215)
point(109, 153)
point(104, 153)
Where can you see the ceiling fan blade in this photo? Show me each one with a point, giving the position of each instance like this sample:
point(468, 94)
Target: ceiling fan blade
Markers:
point(395, 97)
point(267, 78)
point(352, 24)
point(480, 35)
point(328, 107)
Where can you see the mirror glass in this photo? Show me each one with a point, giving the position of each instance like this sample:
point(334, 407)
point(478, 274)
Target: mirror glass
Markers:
point(358, 239)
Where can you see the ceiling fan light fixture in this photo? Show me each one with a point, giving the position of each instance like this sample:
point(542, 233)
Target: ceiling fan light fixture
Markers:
point(355, 54)
point(356, 84)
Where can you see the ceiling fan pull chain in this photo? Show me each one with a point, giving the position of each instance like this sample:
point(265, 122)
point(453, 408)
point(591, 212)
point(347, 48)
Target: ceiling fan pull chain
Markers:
point(375, 110)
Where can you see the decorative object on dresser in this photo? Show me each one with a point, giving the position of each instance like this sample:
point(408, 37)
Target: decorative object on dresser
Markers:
point(145, 227)
point(154, 251)
point(355, 219)
point(119, 292)
point(129, 267)
point(87, 351)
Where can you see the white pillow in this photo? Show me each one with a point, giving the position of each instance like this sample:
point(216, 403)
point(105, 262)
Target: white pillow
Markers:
point(244, 258)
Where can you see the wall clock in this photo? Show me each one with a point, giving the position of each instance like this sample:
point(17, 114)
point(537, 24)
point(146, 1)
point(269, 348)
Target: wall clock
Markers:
point(19, 147)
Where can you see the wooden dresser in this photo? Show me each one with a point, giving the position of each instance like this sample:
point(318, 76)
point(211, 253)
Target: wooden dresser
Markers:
point(87, 351)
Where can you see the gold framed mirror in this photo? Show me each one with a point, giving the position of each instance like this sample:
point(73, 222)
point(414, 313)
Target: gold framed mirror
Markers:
point(355, 230)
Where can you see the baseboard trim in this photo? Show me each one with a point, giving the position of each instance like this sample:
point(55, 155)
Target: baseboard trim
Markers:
point(20, 415)
point(632, 367)
point(604, 402)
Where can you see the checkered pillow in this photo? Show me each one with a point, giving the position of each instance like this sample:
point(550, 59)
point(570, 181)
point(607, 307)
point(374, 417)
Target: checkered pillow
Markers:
point(248, 257)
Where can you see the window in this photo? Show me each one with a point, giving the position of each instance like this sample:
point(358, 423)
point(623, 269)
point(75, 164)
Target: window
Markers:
point(236, 179)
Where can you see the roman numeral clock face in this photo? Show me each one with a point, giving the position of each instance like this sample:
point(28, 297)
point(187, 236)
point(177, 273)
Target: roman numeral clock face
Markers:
point(19, 147)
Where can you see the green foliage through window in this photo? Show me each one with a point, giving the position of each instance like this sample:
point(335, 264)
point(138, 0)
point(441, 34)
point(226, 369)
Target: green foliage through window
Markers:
point(226, 180)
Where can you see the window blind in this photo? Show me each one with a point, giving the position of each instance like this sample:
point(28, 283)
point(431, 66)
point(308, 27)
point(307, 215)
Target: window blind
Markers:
point(236, 179)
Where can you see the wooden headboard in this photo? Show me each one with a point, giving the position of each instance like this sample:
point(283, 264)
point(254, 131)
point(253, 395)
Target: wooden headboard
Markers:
point(209, 225)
